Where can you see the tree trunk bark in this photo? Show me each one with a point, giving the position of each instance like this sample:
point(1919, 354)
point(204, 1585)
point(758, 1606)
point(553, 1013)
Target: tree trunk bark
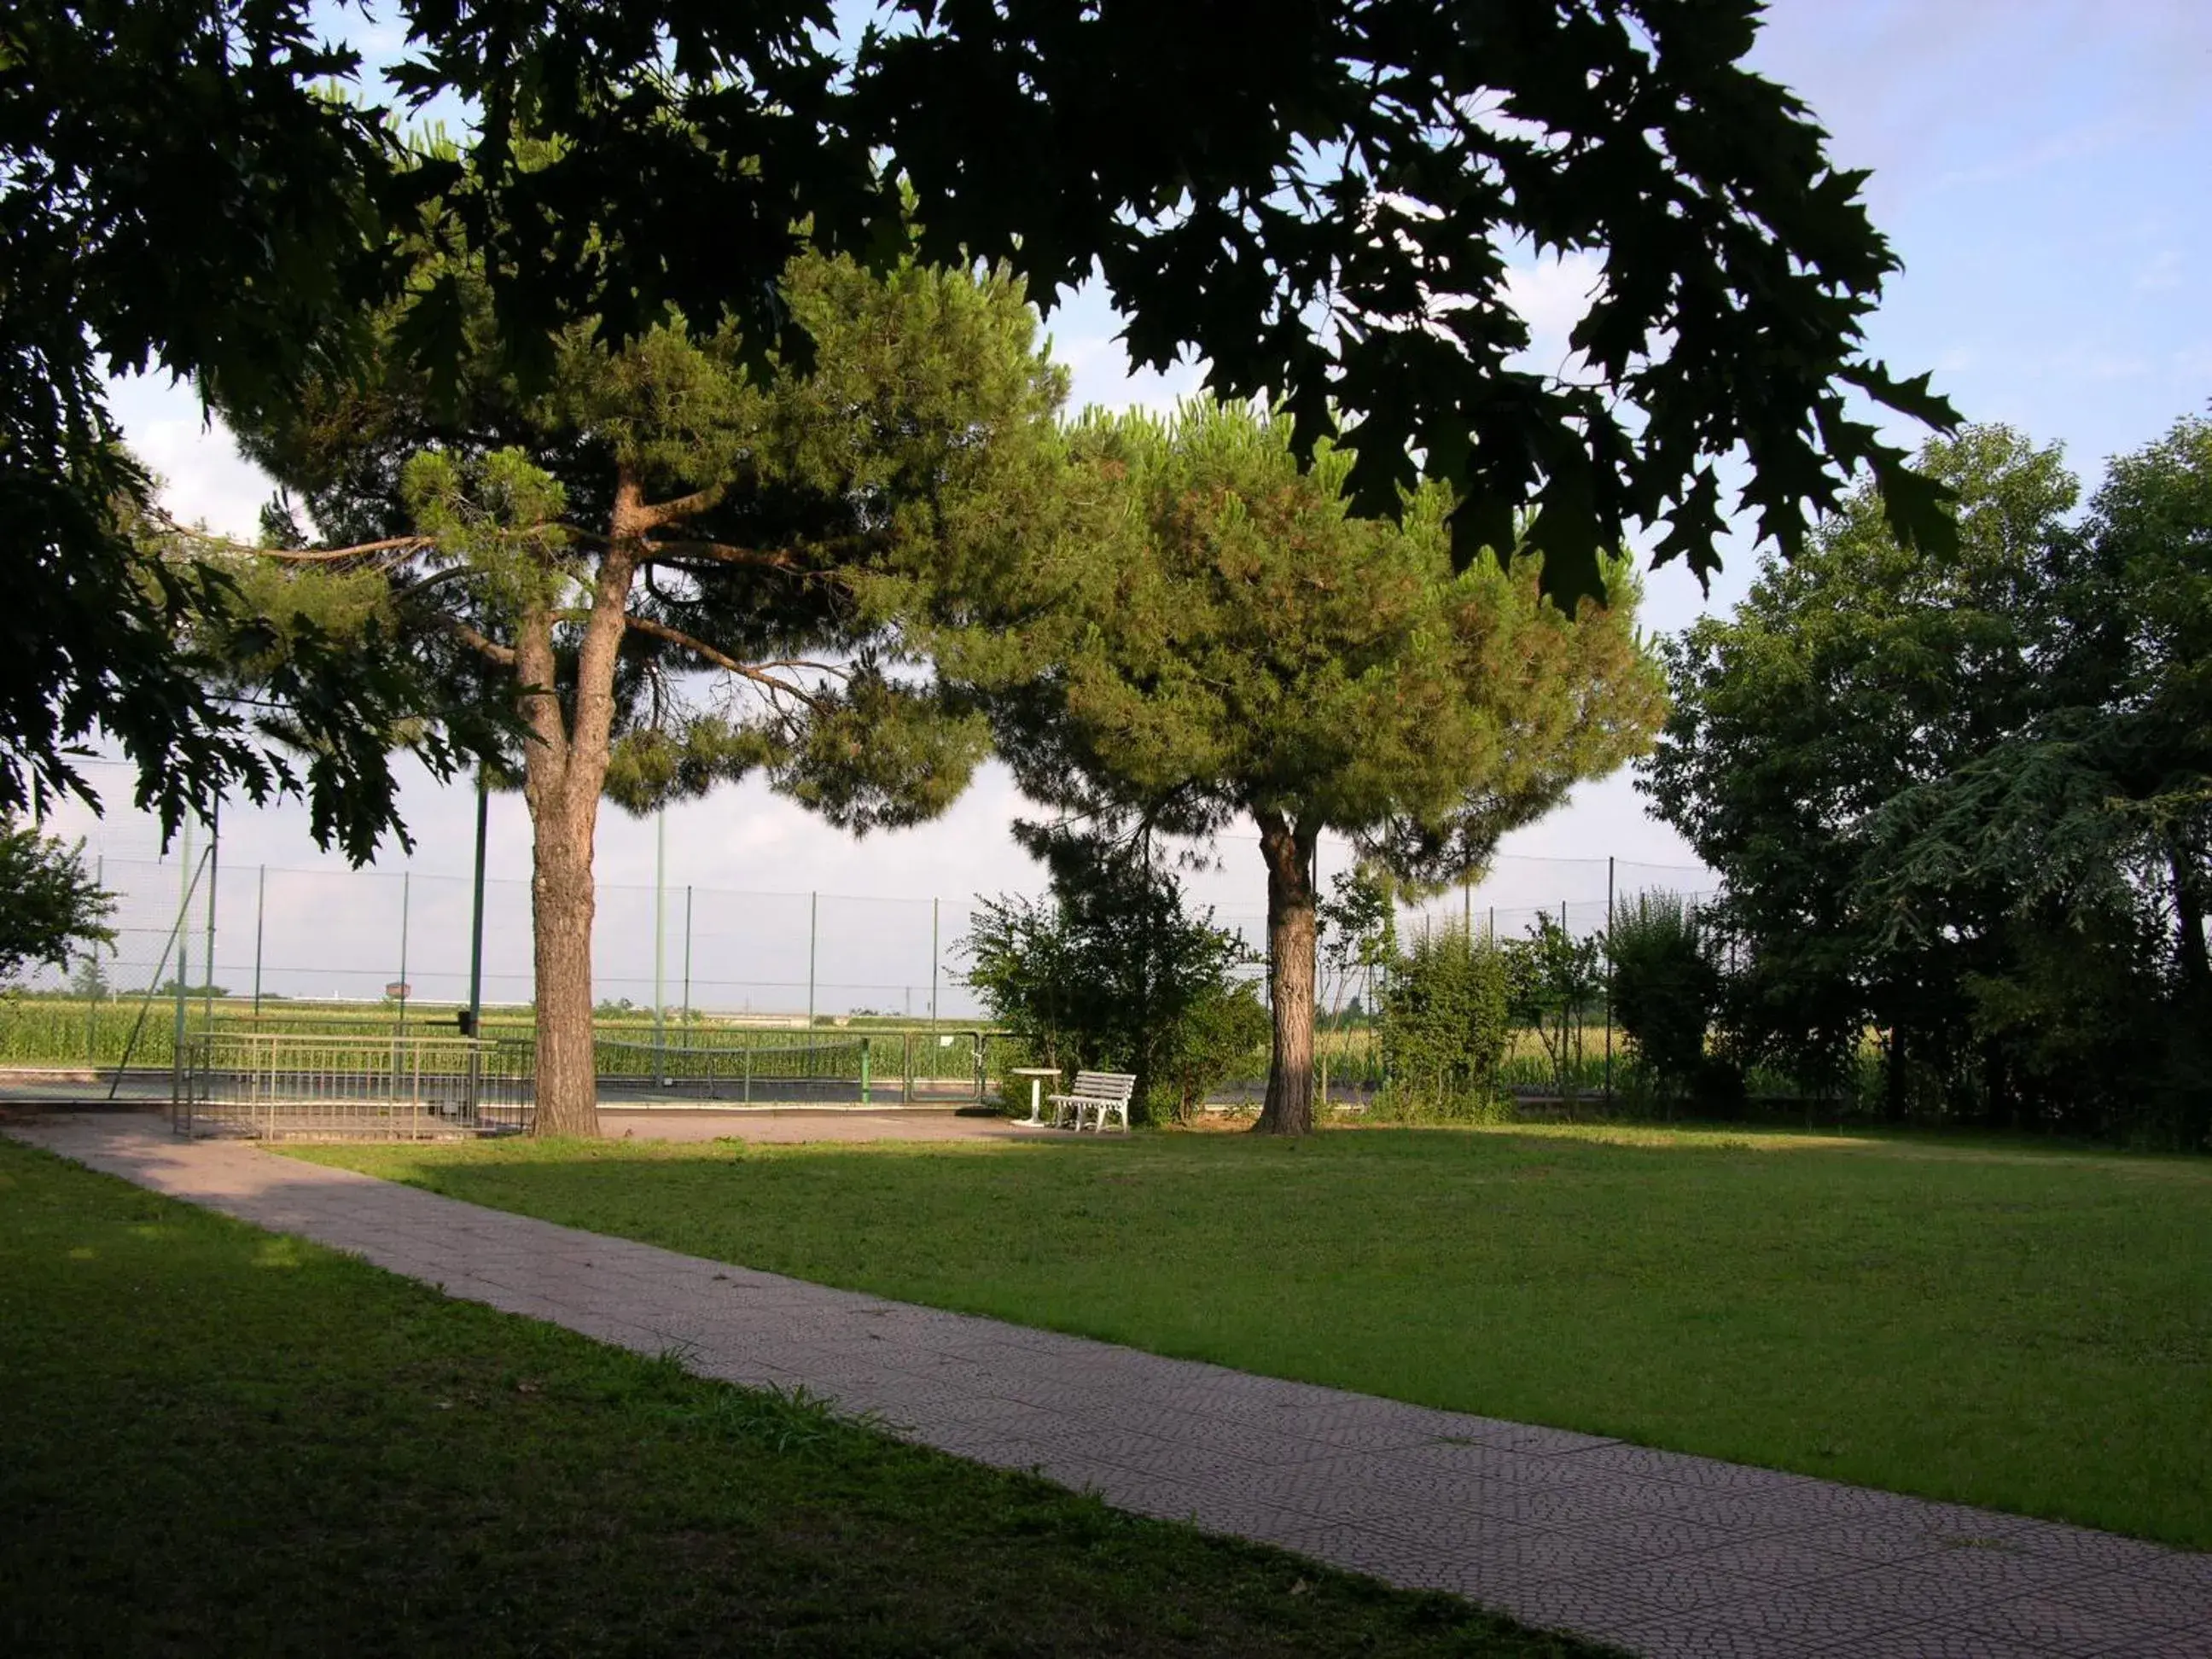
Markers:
point(2189, 921)
point(561, 906)
point(1288, 848)
point(1893, 1099)
point(565, 770)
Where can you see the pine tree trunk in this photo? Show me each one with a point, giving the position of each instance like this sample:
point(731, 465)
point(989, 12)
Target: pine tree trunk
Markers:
point(1289, 850)
point(565, 770)
point(2189, 921)
point(1893, 1097)
point(562, 907)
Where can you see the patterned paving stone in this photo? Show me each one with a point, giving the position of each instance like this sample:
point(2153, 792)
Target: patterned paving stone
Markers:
point(2059, 1626)
point(1807, 1617)
point(2154, 1601)
point(1701, 1473)
point(1936, 1641)
point(1695, 1637)
point(1661, 1554)
point(1672, 1586)
point(2167, 1644)
point(1586, 1606)
point(1584, 1502)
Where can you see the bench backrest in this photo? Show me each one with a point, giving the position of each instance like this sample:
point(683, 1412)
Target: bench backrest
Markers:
point(1104, 1086)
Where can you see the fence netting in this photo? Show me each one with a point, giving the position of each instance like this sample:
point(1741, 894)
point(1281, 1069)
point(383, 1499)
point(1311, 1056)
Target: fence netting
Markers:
point(692, 981)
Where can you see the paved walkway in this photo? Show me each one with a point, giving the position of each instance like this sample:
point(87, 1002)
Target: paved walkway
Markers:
point(1658, 1553)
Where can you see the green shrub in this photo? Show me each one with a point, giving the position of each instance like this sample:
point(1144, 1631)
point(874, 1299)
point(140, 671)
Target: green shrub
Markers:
point(1552, 980)
point(1224, 1029)
point(1666, 989)
point(1110, 972)
point(1443, 1028)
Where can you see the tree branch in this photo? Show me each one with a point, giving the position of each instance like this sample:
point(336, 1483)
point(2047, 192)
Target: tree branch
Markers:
point(652, 518)
point(481, 644)
point(719, 553)
point(707, 653)
point(331, 556)
point(415, 589)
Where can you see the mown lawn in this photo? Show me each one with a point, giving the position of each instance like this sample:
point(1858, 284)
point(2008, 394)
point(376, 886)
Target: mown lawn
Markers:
point(215, 1440)
point(2001, 1324)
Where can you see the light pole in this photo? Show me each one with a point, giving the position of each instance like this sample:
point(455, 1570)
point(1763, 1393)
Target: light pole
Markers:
point(474, 1027)
point(661, 944)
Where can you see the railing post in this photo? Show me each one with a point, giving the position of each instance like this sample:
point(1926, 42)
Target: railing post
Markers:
point(865, 1043)
point(1608, 982)
point(92, 987)
point(260, 912)
point(207, 972)
point(187, 874)
point(661, 946)
point(406, 894)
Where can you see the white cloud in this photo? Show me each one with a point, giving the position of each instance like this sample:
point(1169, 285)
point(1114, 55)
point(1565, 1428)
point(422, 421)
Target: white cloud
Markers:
point(1100, 372)
point(203, 478)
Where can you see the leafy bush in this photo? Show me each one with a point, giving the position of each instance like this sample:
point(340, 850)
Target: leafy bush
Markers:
point(1444, 1027)
point(1110, 972)
point(50, 906)
point(1223, 1032)
point(1551, 978)
point(1666, 987)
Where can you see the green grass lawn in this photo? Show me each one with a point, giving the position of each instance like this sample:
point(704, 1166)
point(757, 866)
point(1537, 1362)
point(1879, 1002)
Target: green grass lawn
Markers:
point(2001, 1323)
point(215, 1440)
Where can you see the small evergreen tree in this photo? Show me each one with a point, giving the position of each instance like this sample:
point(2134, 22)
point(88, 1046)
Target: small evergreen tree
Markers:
point(1444, 1025)
point(1666, 986)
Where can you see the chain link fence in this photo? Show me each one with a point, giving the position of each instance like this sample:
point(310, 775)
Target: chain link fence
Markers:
point(713, 975)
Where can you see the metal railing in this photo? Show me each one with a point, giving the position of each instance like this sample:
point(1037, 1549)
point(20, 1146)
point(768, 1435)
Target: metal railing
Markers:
point(273, 1085)
point(878, 1069)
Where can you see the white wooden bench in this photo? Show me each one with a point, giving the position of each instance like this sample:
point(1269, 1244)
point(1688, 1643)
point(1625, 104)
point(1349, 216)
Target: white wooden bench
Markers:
point(1100, 1095)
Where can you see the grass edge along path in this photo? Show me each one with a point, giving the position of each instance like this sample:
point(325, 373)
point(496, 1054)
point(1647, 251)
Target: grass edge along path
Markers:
point(1990, 1322)
point(219, 1439)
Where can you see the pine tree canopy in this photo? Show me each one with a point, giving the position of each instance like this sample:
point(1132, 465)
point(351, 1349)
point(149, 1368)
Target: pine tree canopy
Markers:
point(1207, 633)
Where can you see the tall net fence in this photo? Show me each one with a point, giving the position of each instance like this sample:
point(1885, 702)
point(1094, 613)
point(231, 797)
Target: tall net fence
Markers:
point(201, 943)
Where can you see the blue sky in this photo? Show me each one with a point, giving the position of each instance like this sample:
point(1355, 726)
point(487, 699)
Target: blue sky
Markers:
point(2040, 167)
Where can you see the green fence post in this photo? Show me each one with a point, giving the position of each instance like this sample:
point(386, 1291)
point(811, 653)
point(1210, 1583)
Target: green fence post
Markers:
point(406, 903)
point(188, 877)
point(864, 1071)
point(207, 975)
point(92, 987)
point(477, 912)
point(661, 944)
point(1608, 982)
point(260, 912)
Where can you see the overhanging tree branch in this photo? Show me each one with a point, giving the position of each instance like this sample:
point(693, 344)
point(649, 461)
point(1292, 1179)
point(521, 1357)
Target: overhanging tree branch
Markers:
point(484, 647)
point(707, 653)
point(654, 516)
point(719, 553)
